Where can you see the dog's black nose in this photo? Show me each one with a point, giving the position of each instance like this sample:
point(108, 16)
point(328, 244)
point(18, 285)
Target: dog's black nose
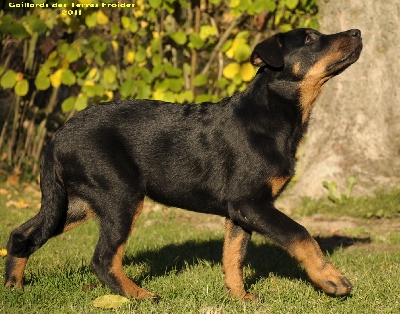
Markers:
point(355, 33)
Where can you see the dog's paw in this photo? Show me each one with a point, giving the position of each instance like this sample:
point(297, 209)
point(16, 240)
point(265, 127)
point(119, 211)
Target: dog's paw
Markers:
point(242, 295)
point(337, 286)
point(250, 297)
point(14, 284)
point(332, 281)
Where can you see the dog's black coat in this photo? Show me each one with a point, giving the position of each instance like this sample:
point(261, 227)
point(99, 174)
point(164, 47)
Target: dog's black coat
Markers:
point(232, 158)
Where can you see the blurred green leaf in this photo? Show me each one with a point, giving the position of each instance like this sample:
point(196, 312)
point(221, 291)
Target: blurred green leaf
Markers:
point(81, 102)
point(285, 27)
point(8, 79)
point(175, 84)
point(42, 81)
point(291, 4)
point(93, 90)
point(146, 75)
point(242, 53)
point(140, 55)
point(257, 7)
point(126, 22)
point(110, 74)
point(68, 77)
point(156, 60)
point(144, 91)
point(157, 70)
point(38, 26)
point(179, 37)
point(155, 45)
point(18, 30)
point(53, 59)
point(206, 31)
point(21, 88)
point(155, 3)
point(115, 30)
point(130, 24)
point(72, 54)
point(5, 23)
point(91, 20)
point(169, 97)
point(231, 89)
point(126, 88)
point(196, 41)
point(188, 95)
point(228, 44)
point(171, 70)
point(68, 104)
point(99, 45)
point(202, 98)
point(231, 70)
point(200, 80)
point(244, 4)
point(237, 79)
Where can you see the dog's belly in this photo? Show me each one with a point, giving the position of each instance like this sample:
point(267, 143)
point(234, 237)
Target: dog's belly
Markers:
point(194, 200)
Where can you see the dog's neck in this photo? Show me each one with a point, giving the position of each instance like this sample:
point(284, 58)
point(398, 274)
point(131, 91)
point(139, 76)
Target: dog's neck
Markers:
point(293, 93)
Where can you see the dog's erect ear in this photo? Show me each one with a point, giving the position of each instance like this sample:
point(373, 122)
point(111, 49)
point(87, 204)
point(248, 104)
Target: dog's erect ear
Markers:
point(268, 52)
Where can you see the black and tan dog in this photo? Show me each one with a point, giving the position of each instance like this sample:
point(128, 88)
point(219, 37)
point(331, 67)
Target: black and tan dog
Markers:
point(232, 158)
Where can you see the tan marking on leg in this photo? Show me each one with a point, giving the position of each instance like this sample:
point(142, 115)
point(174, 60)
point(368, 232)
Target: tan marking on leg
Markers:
point(129, 288)
point(17, 274)
point(277, 183)
point(232, 261)
point(319, 269)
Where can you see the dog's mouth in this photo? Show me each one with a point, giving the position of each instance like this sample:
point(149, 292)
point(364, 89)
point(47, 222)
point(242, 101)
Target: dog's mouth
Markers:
point(340, 65)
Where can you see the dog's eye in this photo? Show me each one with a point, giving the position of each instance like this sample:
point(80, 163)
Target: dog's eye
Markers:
point(309, 39)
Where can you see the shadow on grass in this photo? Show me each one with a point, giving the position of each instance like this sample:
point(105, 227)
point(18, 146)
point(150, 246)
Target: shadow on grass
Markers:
point(264, 258)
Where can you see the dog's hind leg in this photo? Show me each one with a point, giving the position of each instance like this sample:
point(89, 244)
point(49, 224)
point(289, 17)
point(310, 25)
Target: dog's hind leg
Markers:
point(115, 228)
point(78, 212)
point(236, 240)
point(57, 214)
point(31, 235)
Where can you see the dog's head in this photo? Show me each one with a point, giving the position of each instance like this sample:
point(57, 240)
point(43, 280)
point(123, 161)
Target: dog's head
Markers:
point(303, 51)
point(307, 58)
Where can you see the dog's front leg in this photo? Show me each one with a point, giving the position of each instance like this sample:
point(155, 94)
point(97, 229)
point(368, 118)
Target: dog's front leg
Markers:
point(261, 216)
point(236, 240)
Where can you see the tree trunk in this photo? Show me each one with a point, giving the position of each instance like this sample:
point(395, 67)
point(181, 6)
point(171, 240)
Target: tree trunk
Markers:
point(355, 124)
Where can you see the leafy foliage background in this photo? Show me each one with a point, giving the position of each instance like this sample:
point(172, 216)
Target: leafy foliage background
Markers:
point(58, 57)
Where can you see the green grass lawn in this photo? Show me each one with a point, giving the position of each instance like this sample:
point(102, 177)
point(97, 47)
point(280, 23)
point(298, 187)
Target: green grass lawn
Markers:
point(177, 254)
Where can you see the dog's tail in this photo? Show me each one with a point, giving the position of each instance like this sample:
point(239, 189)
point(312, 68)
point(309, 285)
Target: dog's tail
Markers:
point(50, 220)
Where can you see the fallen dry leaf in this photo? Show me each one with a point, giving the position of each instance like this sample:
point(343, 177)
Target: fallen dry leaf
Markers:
point(109, 301)
point(18, 204)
